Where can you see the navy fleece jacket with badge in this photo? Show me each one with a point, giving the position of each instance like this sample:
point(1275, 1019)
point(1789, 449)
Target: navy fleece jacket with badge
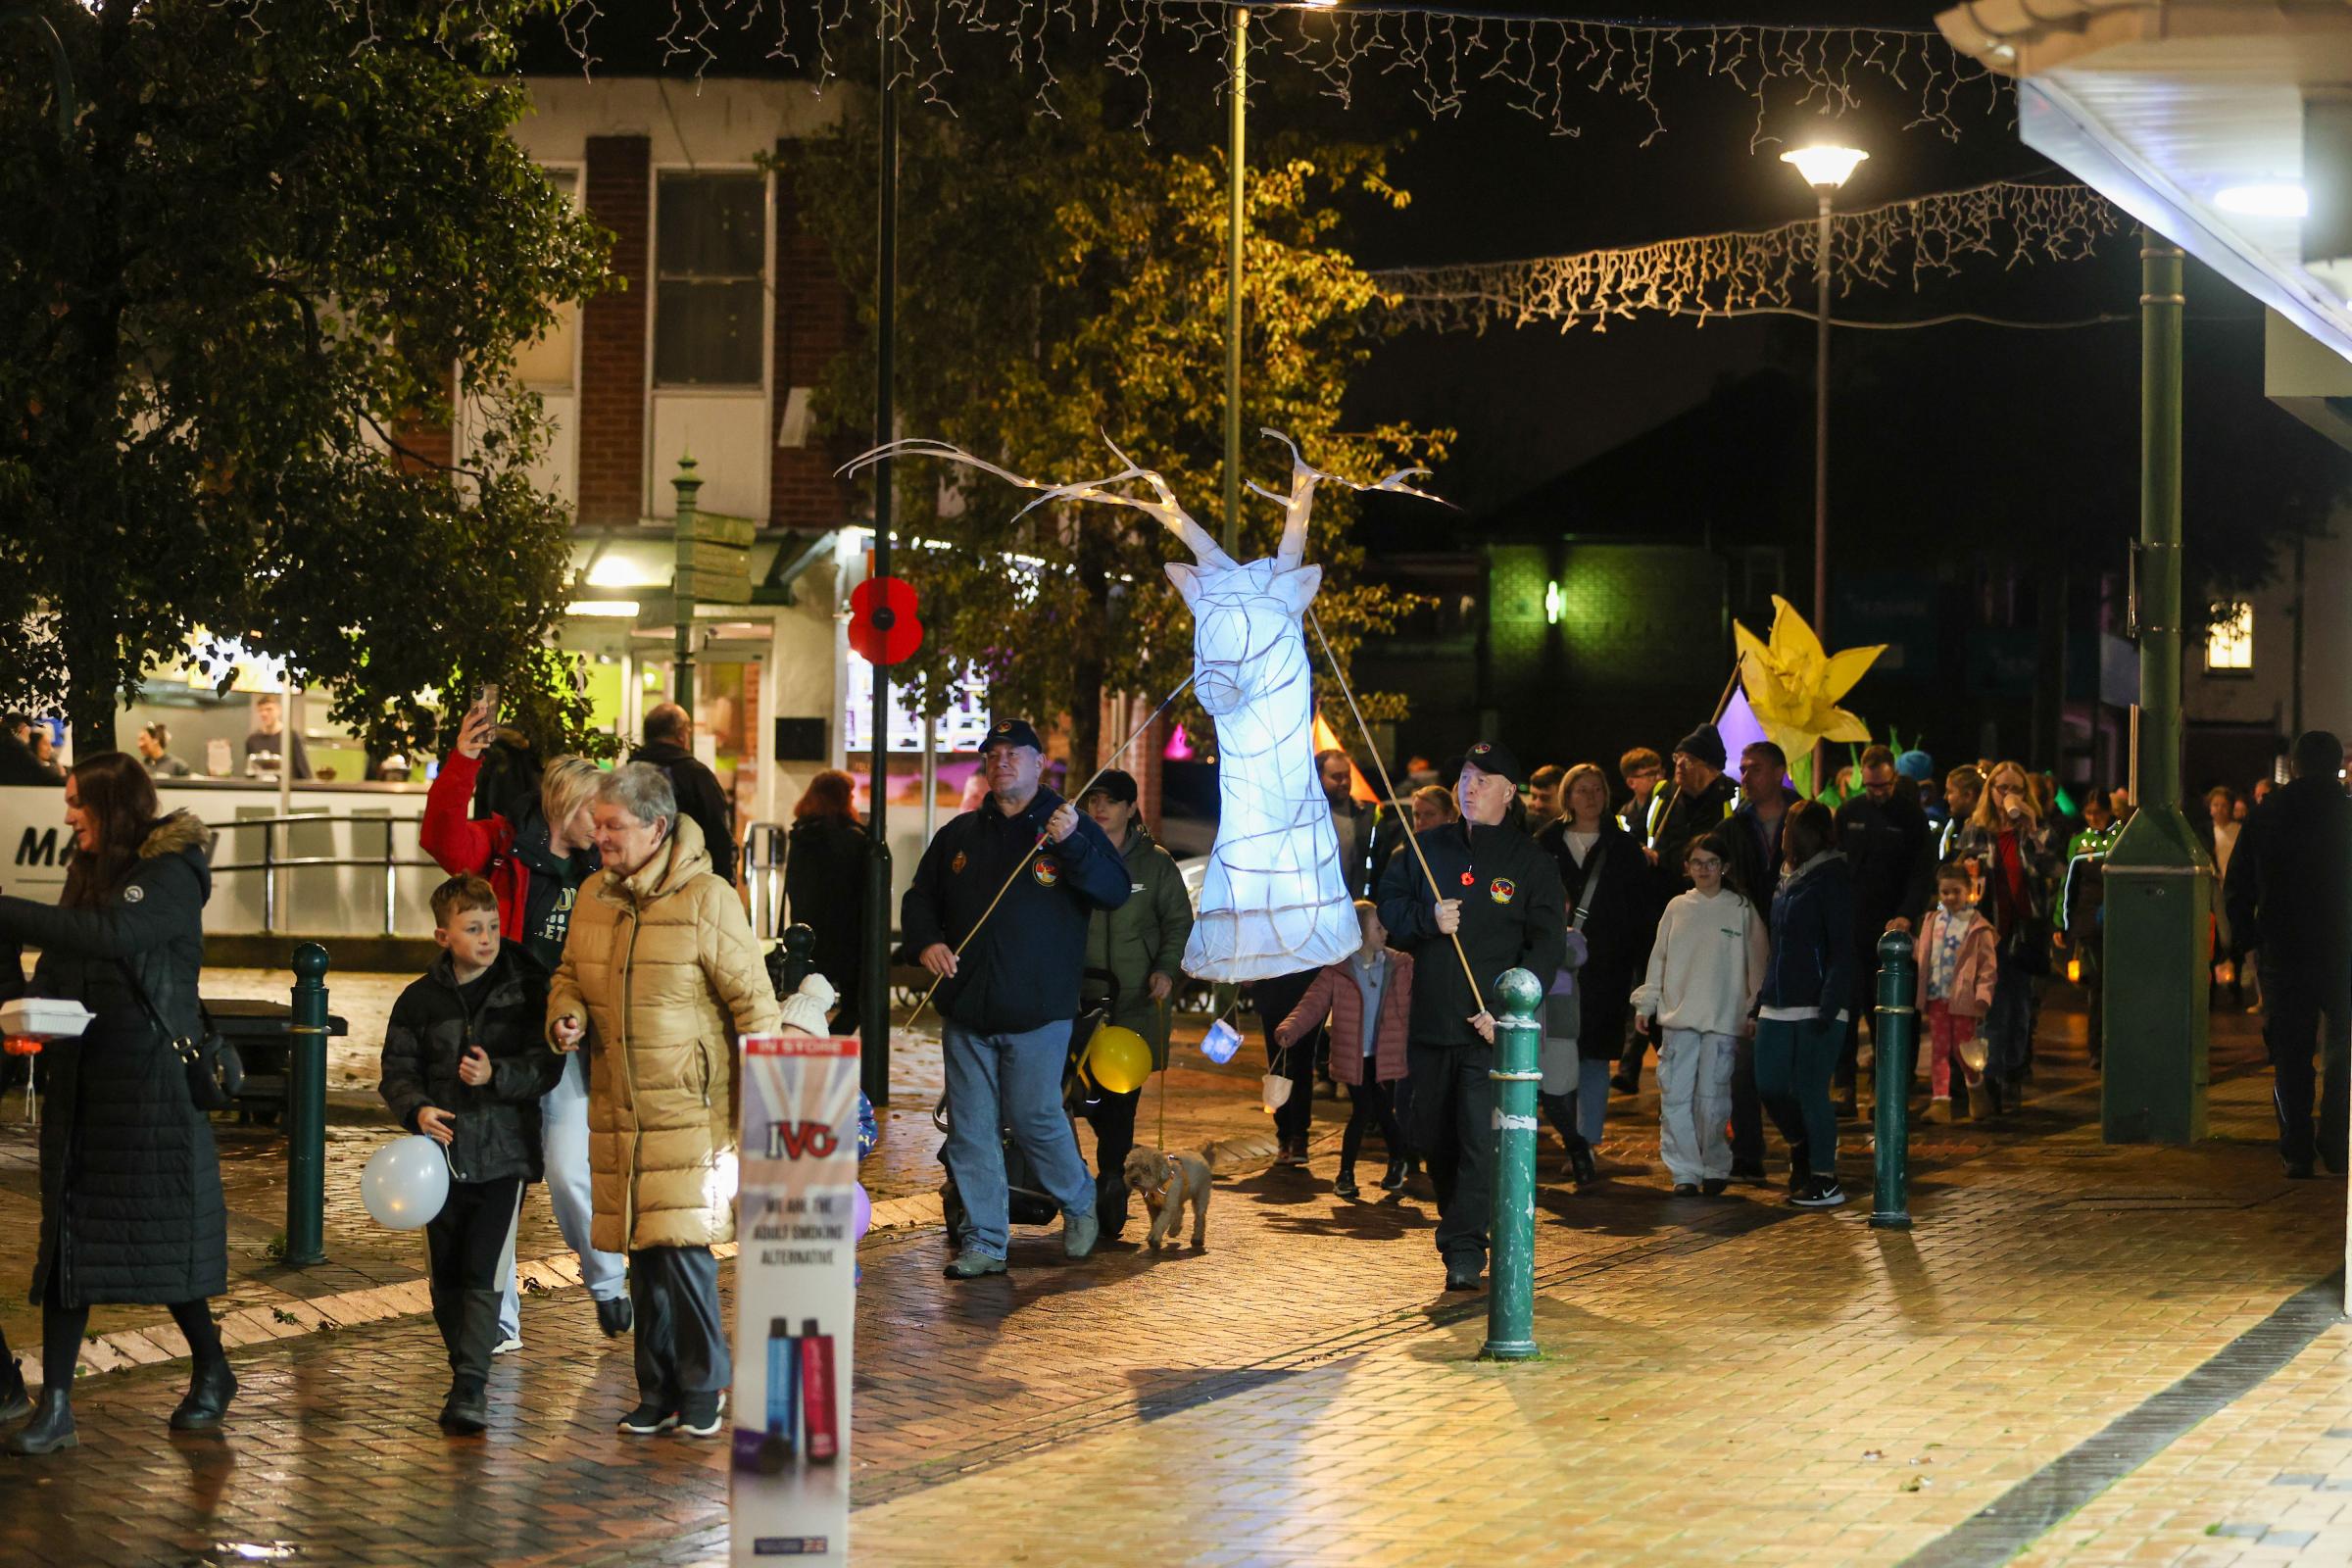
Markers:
point(1515, 917)
point(1021, 970)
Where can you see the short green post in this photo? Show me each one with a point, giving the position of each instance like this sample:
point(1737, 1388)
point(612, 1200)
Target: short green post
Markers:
point(306, 1111)
point(1895, 1037)
point(1511, 1287)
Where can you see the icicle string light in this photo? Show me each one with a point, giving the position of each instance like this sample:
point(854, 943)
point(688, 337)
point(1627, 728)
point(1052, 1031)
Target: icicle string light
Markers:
point(2010, 222)
point(1546, 67)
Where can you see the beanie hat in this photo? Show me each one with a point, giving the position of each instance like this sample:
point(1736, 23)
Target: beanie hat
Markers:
point(806, 1008)
point(1704, 743)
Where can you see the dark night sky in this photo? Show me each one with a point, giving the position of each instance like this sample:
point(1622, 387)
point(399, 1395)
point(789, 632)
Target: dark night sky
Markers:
point(1492, 183)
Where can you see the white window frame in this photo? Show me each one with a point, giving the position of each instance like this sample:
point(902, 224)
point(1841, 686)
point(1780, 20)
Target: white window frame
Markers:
point(653, 291)
point(579, 307)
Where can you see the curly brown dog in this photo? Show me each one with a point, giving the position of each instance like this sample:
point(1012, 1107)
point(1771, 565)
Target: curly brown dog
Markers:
point(1168, 1181)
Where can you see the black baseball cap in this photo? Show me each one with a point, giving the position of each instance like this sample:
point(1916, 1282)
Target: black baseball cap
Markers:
point(1012, 732)
point(1492, 757)
point(1118, 785)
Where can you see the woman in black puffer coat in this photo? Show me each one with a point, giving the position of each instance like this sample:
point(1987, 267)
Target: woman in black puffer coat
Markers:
point(131, 1209)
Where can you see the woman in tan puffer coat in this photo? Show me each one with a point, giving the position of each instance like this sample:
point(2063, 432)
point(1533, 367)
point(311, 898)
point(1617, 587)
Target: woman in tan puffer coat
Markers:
point(661, 976)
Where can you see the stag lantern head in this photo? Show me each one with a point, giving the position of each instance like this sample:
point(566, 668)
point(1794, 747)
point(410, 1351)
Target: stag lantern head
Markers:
point(1273, 899)
point(1245, 618)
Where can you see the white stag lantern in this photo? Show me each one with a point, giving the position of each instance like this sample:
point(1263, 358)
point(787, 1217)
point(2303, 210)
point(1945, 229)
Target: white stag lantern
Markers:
point(1274, 900)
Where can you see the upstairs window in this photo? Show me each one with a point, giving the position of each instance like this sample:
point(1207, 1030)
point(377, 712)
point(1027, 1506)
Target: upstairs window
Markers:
point(711, 261)
point(545, 363)
point(2230, 641)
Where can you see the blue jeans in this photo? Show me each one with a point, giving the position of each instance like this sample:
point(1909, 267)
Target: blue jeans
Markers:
point(564, 1151)
point(1794, 1058)
point(1592, 1096)
point(1010, 1080)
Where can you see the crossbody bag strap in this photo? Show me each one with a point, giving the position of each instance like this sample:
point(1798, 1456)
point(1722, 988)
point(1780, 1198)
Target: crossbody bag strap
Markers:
point(1583, 898)
point(130, 977)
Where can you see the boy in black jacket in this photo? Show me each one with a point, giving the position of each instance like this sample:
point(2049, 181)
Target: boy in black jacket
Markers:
point(463, 1066)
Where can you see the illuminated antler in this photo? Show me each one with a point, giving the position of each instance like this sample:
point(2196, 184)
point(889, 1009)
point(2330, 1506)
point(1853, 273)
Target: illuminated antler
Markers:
point(1301, 502)
point(1163, 506)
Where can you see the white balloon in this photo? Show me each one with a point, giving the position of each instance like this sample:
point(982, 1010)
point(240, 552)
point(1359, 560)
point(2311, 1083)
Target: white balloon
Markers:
point(406, 1183)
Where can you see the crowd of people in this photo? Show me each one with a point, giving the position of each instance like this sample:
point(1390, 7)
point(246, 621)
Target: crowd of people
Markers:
point(597, 966)
point(1705, 909)
point(576, 1031)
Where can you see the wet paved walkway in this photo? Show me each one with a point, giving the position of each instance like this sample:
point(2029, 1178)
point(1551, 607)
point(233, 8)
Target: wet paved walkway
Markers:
point(1725, 1380)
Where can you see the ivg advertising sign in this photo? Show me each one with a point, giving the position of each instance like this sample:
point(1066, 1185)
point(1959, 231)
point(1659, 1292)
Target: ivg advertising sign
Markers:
point(794, 1299)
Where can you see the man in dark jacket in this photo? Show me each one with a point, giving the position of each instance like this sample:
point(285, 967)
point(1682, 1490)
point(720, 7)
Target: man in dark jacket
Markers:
point(1368, 834)
point(669, 737)
point(1755, 835)
point(2290, 898)
point(1504, 908)
point(1697, 800)
point(17, 764)
point(1888, 850)
point(1140, 946)
point(463, 1065)
point(1008, 987)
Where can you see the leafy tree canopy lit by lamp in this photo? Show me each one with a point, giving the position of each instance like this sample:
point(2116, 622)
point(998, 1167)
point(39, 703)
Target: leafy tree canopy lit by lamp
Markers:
point(1825, 168)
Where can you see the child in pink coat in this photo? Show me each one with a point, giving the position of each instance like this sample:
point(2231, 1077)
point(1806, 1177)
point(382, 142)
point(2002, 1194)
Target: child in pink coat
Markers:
point(1368, 995)
point(1957, 964)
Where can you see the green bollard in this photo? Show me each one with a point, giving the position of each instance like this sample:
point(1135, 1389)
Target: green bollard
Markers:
point(306, 1111)
point(1898, 1043)
point(1511, 1286)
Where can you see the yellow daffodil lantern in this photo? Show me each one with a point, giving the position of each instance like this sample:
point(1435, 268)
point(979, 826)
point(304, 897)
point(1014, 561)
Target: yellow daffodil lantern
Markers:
point(1794, 686)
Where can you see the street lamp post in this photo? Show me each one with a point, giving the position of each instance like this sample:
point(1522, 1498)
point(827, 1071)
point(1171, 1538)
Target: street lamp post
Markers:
point(1825, 168)
point(1236, 218)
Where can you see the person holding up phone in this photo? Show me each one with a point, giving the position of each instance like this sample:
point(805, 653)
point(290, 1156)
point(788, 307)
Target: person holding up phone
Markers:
point(535, 856)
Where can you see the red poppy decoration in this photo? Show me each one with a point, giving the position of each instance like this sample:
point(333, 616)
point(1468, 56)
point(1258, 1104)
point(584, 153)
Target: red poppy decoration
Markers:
point(1469, 880)
point(883, 629)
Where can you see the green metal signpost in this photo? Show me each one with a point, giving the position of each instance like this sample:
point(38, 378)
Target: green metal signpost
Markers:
point(1511, 1289)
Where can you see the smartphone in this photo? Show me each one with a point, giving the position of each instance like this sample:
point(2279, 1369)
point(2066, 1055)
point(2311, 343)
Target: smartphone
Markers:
point(485, 697)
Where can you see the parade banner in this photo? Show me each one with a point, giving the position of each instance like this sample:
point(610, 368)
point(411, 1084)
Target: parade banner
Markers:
point(794, 1299)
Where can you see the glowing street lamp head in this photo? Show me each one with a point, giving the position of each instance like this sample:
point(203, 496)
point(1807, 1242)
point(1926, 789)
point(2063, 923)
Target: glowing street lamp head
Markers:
point(1825, 167)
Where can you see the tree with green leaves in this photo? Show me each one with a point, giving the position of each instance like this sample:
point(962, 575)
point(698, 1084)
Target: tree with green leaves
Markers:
point(1061, 279)
point(252, 249)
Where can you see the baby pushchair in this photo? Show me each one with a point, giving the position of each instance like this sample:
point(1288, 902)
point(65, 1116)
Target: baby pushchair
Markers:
point(1027, 1202)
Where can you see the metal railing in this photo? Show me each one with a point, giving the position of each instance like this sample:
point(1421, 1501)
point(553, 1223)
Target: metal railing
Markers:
point(764, 848)
point(272, 862)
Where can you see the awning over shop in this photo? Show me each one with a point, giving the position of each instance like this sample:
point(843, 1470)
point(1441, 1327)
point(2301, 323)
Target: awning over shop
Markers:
point(2223, 125)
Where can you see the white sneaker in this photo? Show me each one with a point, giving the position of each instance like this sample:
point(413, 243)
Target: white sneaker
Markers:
point(508, 1346)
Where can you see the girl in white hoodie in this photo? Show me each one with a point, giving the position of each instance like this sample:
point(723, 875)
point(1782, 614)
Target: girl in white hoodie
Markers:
point(1706, 969)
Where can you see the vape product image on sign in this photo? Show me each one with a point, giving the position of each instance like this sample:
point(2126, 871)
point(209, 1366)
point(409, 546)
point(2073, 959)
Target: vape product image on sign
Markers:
point(816, 1393)
point(769, 1449)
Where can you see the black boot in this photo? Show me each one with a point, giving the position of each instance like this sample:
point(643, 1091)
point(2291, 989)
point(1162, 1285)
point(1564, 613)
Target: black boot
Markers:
point(1345, 1186)
point(209, 1392)
point(467, 1411)
point(15, 1402)
point(1110, 1204)
point(51, 1427)
point(1560, 1111)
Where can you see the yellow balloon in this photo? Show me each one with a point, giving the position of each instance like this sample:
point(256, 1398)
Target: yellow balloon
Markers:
point(1118, 1059)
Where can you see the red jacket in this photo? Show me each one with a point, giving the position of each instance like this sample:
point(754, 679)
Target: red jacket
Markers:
point(1334, 991)
point(463, 844)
